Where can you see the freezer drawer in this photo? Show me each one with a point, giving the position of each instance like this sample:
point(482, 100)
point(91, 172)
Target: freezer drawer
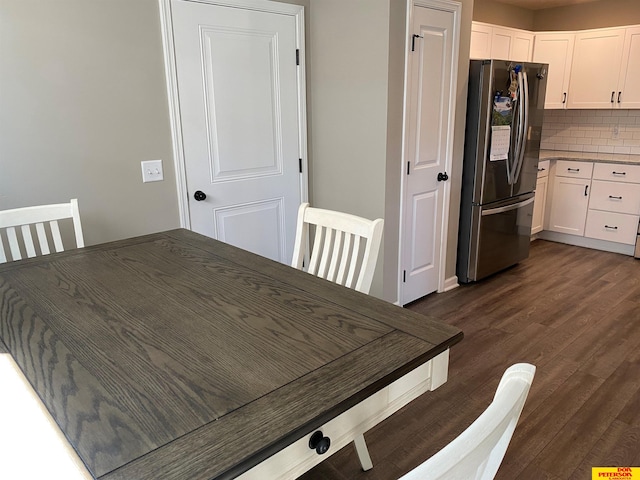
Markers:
point(502, 237)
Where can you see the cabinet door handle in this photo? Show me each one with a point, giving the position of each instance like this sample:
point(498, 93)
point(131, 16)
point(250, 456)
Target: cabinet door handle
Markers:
point(564, 98)
point(618, 173)
point(617, 198)
point(573, 169)
point(586, 188)
point(541, 169)
point(613, 96)
point(619, 93)
point(610, 227)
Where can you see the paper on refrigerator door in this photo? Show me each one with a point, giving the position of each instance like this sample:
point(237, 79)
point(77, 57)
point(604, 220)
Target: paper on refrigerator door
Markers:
point(500, 141)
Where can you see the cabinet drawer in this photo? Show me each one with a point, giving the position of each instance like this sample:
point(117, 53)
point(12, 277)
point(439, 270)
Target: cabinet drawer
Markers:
point(297, 458)
point(565, 168)
point(614, 227)
point(615, 197)
point(543, 168)
point(616, 172)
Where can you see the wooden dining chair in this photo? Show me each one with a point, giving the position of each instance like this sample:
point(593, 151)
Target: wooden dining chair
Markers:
point(345, 251)
point(18, 226)
point(478, 451)
point(345, 247)
point(32, 446)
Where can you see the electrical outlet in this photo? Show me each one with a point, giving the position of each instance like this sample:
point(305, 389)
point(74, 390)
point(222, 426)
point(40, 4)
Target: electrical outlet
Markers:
point(615, 131)
point(152, 171)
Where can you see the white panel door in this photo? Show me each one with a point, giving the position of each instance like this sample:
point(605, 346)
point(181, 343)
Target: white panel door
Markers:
point(430, 108)
point(239, 108)
point(556, 49)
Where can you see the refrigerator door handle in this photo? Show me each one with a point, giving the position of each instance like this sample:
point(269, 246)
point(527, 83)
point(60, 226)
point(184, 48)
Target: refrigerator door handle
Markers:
point(511, 168)
point(515, 206)
point(524, 97)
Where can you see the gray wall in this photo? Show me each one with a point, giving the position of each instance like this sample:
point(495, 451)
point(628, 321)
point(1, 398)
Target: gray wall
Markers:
point(357, 82)
point(349, 77)
point(458, 145)
point(82, 102)
point(599, 14)
point(490, 11)
point(393, 178)
point(581, 16)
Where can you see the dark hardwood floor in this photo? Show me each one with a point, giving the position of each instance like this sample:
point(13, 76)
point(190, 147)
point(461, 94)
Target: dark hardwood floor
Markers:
point(572, 312)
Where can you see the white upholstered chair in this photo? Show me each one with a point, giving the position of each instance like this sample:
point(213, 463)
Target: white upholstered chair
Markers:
point(345, 247)
point(32, 446)
point(478, 451)
point(20, 222)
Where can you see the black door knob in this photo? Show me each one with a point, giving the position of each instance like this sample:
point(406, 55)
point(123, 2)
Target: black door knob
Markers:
point(199, 196)
point(319, 443)
point(443, 177)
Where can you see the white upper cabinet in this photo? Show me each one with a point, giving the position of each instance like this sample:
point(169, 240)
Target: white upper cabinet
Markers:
point(629, 81)
point(502, 43)
point(556, 49)
point(501, 40)
point(480, 41)
point(597, 68)
point(597, 61)
point(521, 46)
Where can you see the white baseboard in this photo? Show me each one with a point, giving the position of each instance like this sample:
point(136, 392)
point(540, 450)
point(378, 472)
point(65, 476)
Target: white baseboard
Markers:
point(451, 283)
point(587, 242)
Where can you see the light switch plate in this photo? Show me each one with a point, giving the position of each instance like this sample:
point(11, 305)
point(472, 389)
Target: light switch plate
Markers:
point(152, 171)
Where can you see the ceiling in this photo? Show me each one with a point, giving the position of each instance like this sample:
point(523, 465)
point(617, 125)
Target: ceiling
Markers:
point(540, 4)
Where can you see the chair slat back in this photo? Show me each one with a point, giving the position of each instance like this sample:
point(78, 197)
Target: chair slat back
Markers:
point(478, 451)
point(24, 218)
point(345, 247)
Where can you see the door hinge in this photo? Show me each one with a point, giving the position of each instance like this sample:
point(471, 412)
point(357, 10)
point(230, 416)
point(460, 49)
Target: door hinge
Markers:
point(300, 164)
point(408, 166)
point(297, 56)
point(404, 276)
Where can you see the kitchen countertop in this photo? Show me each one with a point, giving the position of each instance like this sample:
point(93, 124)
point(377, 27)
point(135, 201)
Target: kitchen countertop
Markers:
point(589, 157)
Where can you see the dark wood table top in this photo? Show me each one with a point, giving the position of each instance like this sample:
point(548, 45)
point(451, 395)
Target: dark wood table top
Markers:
point(176, 356)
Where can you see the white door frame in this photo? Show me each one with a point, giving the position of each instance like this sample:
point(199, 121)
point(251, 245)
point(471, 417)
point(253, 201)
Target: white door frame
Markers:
point(455, 8)
point(297, 11)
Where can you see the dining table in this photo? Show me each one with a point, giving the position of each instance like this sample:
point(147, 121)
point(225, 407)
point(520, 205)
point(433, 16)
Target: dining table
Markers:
point(177, 356)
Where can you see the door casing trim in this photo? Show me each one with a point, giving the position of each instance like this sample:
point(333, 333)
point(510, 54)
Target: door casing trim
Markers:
point(166, 23)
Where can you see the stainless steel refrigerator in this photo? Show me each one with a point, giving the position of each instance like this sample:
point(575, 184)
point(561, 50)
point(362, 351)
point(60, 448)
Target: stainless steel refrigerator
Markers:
point(502, 143)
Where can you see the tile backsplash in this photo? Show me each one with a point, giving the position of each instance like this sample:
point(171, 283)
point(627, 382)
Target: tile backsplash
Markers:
point(601, 131)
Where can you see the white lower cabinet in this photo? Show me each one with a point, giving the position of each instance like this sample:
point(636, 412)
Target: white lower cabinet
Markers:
point(602, 205)
point(569, 206)
point(613, 227)
point(614, 207)
point(615, 197)
point(537, 223)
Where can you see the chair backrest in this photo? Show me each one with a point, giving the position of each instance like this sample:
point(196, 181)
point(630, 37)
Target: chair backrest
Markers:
point(345, 247)
point(19, 221)
point(478, 451)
